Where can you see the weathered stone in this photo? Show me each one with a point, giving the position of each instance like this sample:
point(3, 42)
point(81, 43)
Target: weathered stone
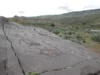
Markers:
point(38, 50)
point(3, 19)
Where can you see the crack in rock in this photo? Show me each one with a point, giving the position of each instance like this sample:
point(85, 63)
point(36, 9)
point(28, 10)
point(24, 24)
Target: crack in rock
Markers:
point(53, 70)
point(88, 70)
point(5, 62)
point(58, 69)
point(13, 49)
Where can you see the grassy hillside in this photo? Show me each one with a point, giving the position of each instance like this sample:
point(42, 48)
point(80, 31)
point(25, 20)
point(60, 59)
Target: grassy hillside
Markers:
point(71, 14)
point(81, 27)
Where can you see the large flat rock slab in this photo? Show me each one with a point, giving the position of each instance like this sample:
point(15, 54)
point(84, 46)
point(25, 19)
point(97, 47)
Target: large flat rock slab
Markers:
point(41, 51)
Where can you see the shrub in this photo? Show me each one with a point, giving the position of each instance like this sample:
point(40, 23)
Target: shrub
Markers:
point(96, 37)
point(70, 33)
point(84, 41)
point(16, 18)
point(52, 25)
point(56, 32)
point(79, 37)
point(66, 37)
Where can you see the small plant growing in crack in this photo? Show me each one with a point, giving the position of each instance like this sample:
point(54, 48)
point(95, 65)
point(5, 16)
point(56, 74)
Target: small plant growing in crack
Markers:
point(34, 73)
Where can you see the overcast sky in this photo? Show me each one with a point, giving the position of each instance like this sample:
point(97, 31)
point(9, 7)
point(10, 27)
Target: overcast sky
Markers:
point(10, 8)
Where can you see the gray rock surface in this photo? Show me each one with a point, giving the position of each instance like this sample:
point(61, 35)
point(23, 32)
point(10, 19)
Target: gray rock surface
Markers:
point(25, 49)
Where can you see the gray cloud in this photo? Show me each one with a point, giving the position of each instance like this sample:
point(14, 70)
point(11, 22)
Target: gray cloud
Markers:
point(66, 7)
point(92, 7)
point(21, 12)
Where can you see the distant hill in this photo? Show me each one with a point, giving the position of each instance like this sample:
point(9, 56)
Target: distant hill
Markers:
point(82, 13)
point(71, 18)
point(72, 14)
point(76, 17)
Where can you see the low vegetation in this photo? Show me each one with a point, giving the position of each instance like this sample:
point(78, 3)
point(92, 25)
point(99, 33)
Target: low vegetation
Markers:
point(34, 73)
point(96, 37)
point(78, 27)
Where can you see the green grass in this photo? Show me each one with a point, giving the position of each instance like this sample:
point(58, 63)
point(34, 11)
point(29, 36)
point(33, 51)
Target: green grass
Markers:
point(34, 73)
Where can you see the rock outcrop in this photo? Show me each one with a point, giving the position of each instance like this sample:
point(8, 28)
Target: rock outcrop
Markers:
point(30, 49)
point(3, 19)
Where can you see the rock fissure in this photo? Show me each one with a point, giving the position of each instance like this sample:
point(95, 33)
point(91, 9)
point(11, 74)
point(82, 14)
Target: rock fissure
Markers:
point(58, 69)
point(5, 62)
point(13, 49)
